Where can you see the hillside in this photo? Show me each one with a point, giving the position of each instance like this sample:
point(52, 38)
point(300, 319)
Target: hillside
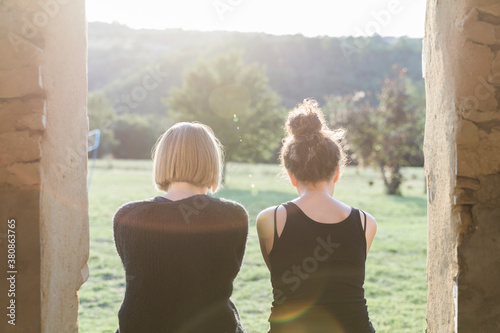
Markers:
point(297, 66)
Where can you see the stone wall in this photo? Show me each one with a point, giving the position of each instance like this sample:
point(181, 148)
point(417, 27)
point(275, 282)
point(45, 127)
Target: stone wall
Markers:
point(43, 143)
point(462, 149)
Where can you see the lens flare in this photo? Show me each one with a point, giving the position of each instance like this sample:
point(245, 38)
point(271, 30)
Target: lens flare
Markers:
point(298, 319)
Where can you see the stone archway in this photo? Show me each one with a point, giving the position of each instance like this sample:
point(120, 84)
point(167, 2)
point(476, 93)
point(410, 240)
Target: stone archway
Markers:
point(43, 133)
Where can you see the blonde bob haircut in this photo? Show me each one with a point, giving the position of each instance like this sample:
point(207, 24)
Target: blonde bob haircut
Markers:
point(188, 152)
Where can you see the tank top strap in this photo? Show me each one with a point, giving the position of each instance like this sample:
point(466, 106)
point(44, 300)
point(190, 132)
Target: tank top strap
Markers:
point(275, 226)
point(360, 225)
point(355, 219)
point(291, 209)
point(293, 214)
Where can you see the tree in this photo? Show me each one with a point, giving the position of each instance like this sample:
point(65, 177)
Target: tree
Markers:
point(136, 136)
point(102, 117)
point(386, 136)
point(235, 100)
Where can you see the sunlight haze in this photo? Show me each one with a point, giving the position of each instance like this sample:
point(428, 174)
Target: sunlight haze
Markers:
point(278, 17)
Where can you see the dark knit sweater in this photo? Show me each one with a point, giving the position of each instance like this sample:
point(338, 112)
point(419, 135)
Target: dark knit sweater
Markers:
point(180, 260)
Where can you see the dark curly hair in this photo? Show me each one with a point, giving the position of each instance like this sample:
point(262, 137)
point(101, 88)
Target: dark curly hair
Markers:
point(311, 151)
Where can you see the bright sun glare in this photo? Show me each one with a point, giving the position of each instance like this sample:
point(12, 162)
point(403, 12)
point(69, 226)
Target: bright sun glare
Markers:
point(310, 18)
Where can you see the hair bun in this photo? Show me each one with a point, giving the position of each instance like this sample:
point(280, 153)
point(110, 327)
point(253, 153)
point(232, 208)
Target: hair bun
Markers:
point(305, 120)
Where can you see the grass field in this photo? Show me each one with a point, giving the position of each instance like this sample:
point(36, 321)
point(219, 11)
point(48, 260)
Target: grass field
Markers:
point(395, 287)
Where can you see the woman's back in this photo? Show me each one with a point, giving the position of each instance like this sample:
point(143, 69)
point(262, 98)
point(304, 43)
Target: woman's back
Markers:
point(180, 259)
point(317, 273)
point(317, 267)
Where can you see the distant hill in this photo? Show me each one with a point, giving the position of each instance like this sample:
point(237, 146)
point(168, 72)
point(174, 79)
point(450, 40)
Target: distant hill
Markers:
point(297, 66)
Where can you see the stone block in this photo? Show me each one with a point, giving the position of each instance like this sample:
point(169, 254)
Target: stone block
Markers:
point(8, 55)
point(24, 174)
point(467, 135)
point(467, 163)
point(489, 194)
point(17, 51)
point(20, 82)
point(468, 183)
point(464, 197)
point(490, 10)
point(478, 31)
point(31, 121)
point(481, 117)
point(21, 146)
point(489, 152)
point(22, 114)
point(21, 22)
point(473, 91)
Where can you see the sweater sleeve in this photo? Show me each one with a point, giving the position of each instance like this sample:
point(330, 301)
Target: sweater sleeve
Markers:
point(242, 224)
point(120, 214)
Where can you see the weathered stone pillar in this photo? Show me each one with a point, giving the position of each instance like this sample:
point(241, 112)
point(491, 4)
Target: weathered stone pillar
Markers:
point(43, 154)
point(462, 150)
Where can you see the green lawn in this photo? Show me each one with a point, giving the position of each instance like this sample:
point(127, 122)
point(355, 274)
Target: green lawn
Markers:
point(395, 286)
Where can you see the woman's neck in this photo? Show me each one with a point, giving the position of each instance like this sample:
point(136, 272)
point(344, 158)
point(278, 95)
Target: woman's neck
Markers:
point(316, 190)
point(182, 190)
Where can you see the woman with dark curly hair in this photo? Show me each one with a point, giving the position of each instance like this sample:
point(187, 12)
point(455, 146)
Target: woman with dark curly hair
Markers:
point(315, 246)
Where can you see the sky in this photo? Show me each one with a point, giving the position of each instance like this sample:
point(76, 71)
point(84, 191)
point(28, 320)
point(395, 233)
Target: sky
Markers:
point(278, 17)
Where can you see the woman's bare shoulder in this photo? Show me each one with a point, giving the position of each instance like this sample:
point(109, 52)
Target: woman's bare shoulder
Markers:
point(370, 220)
point(265, 218)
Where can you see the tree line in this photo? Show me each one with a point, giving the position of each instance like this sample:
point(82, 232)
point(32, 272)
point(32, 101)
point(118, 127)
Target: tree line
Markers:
point(142, 81)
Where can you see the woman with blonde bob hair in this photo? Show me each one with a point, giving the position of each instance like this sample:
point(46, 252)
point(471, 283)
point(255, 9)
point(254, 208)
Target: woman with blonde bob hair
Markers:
point(315, 246)
point(182, 251)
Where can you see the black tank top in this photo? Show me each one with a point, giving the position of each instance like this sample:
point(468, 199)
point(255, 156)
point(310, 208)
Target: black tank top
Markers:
point(317, 273)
